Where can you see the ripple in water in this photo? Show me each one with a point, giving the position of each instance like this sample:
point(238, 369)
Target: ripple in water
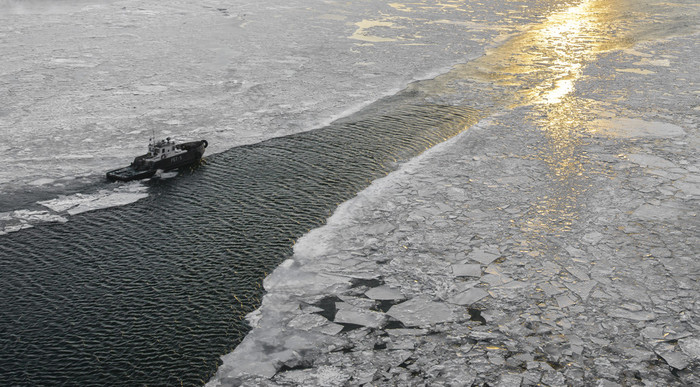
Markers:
point(155, 291)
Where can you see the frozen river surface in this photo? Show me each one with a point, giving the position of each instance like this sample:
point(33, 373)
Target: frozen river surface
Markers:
point(155, 289)
point(87, 83)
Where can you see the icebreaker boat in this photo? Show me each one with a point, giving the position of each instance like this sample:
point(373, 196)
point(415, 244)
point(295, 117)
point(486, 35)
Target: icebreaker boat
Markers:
point(162, 155)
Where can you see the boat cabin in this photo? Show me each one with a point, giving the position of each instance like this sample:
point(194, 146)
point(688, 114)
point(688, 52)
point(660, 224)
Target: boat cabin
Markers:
point(163, 149)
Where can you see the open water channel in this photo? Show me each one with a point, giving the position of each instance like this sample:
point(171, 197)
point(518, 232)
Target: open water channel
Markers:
point(155, 291)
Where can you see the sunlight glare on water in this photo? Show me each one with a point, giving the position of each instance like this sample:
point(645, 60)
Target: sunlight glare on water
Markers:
point(541, 68)
point(568, 40)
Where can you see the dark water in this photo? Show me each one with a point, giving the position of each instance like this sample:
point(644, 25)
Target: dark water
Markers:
point(154, 292)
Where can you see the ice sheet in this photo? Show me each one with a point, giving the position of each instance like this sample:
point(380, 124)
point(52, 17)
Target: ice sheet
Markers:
point(91, 83)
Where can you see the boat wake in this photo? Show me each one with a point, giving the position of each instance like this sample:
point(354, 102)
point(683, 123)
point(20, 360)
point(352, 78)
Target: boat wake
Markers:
point(61, 208)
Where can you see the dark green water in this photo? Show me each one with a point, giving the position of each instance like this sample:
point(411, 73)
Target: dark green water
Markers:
point(153, 293)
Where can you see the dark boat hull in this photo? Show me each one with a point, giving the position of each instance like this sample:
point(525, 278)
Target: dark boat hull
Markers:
point(142, 170)
point(128, 174)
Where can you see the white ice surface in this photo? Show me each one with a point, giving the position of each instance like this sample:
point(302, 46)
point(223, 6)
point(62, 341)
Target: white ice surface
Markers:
point(90, 81)
point(79, 203)
point(631, 128)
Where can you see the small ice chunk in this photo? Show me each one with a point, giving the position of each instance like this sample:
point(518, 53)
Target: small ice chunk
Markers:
point(582, 288)
point(384, 293)
point(592, 237)
point(578, 273)
point(508, 379)
point(653, 62)
point(631, 315)
point(688, 188)
point(636, 71)
point(78, 203)
point(691, 347)
point(365, 318)
point(469, 297)
point(653, 333)
point(630, 128)
point(290, 358)
point(407, 332)
point(380, 228)
point(468, 270)
point(112, 200)
point(306, 308)
point(575, 252)
point(652, 212)
point(364, 376)
point(646, 160)
point(496, 279)
point(632, 51)
point(421, 311)
point(354, 302)
point(482, 256)
point(37, 216)
point(316, 323)
point(331, 376)
point(168, 175)
point(297, 342)
point(675, 359)
point(236, 364)
point(632, 307)
point(565, 301)
point(407, 344)
point(289, 278)
point(550, 289)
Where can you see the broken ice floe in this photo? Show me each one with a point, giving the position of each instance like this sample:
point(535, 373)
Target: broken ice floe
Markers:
point(672, 355)
point(421, 311)
point(79, 203)
point(631, 128)
point(658, 212)
point(315, 322)
point(60, 209)
point(356, 316)
point(23, 219)
point(384, 293)
point(639, 315)
point(646, 160)
point(467, 270)
point(691, 347)
point(482, 256)
point(557, 308)
point(469, 297)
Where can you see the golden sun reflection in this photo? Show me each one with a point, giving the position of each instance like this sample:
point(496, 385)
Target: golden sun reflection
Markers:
point(538, 71)
point(546, 61)
point(543, 66)
point(565, 42)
